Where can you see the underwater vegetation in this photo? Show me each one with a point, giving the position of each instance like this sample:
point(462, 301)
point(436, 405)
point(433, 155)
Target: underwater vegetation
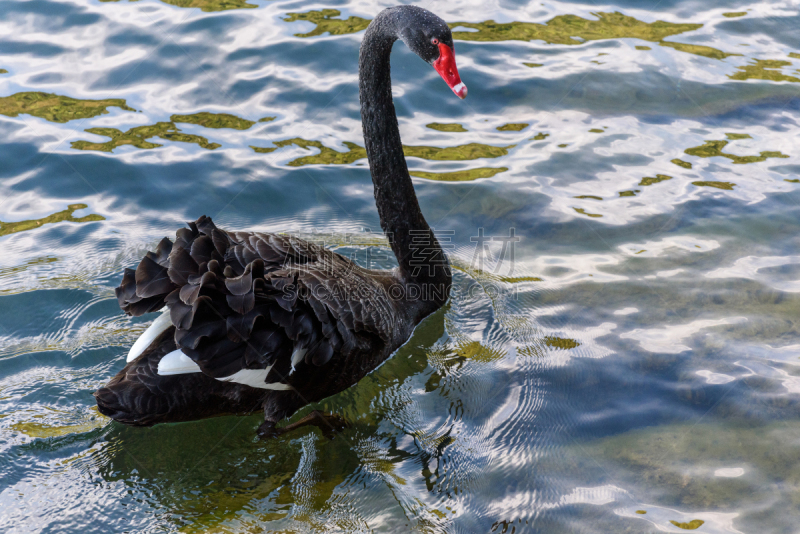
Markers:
point(584, 212)
point(329, 156)
point(512, 127)
point(205, 5)
point(52, 423)
point(765, 69)
point(216, 120)
point(648, 180)
point(681, 163)
point(56, 108)
point(698, 50)
point(326, 23)
point(7, 228)
point(441, 127)
point(572, 30)
point(562, 29)
point(138, 136)
point(728, 186)
point(459, 176)
point(61, 109)
point(471, 151)
point(711, 149)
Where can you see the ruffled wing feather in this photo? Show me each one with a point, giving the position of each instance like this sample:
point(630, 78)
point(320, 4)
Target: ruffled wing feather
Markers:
point(243, 300)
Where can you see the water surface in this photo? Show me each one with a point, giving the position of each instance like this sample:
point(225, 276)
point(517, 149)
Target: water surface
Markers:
point(633, 366)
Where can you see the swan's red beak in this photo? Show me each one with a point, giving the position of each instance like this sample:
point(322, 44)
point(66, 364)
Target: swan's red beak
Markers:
point(446, 67)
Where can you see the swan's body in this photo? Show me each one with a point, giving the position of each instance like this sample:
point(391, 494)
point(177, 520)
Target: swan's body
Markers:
point(272, 322)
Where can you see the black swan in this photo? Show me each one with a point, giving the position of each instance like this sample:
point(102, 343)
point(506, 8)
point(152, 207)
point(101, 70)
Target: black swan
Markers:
point(272, 322)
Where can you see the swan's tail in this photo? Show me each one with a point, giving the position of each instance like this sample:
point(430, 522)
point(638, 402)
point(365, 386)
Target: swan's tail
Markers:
point(139, 396)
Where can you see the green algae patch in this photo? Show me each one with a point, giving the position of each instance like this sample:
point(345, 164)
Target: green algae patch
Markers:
point(691, 525)
point(473, 350)
point(456, 153)
point(628, 193)
point(446, 127)
point(326, 23)
point(584, 212)
point(266, 119)
point(481, 274)
point(438, 513)
point(564, 145)
point(326, 156)
point(728, 186)
point(764, 69)
point(533, 65)
point(650, 180)
point(794, 55)
point(563, 29)
point(459, 176)
point(43, 430)
point(792, 180)
point(57, 423)
point(264, 149)
point(681, 163)
point(513, 127)
point(213, 120)
point(642, 512)
point(698, 50)
point(572, 30)
point(735, 136)
point(530, 351)
point(518, 279)
point(3, 71)
point(7, 228)
point(205, 5)
point(589, 196)
point(211, 5)
point(735, 14)
point(329, 156)
point(540, 136)
point(179, 137)
point(596, 130)
point(561, 343)
point(138, 137)
point(712, 149)
point(57, 108)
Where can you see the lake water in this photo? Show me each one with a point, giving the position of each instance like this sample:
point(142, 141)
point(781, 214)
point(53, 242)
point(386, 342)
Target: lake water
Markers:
point(631, 364)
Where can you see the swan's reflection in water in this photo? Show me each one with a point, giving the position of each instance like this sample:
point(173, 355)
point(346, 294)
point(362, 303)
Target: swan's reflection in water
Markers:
point(213, 472)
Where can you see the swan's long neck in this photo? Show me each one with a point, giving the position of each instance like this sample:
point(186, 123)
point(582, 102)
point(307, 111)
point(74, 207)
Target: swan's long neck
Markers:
point(420, 257)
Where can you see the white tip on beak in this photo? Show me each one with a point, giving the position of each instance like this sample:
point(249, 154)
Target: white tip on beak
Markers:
point(460, 90)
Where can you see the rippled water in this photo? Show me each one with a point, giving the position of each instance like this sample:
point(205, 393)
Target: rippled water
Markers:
point(634, 367)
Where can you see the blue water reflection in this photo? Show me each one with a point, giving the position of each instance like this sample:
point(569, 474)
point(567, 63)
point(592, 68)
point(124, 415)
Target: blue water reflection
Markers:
point(635, 369)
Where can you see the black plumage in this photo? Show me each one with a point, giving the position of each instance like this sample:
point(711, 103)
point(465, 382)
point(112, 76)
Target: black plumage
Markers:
point(254, 301)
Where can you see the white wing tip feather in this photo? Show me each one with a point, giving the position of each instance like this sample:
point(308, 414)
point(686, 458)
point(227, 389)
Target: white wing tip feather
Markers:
point(255, 378)
point(297, 357)
point(177, 363)
point(146, 339)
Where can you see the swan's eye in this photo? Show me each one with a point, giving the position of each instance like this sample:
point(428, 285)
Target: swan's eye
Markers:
point(435, 41)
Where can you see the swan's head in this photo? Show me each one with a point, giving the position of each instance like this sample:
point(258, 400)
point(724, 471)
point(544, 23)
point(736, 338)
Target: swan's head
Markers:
point(429, 37)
